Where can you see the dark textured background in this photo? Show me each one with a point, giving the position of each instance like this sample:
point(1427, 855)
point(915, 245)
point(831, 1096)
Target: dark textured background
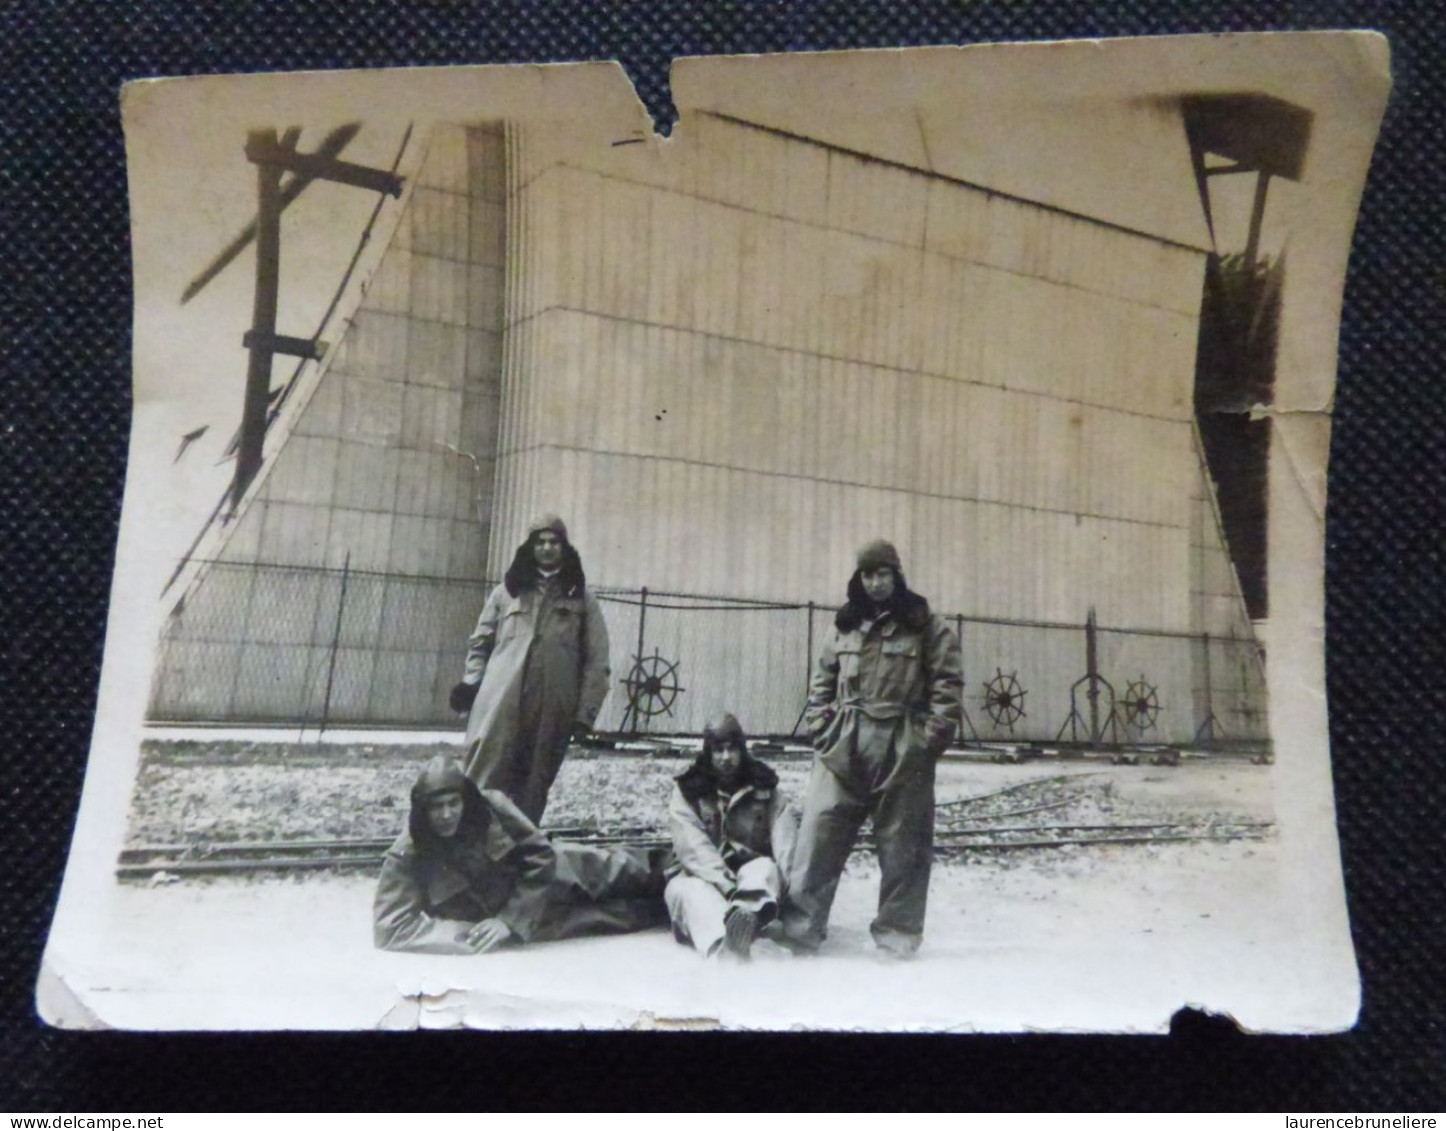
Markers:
point(66, 405)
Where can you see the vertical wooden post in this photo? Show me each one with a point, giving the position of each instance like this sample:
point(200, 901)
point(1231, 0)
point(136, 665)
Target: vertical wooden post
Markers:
point(263, 315)
point(1257, 220)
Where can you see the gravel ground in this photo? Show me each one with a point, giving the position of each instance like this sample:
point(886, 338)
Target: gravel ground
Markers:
point(216, 792)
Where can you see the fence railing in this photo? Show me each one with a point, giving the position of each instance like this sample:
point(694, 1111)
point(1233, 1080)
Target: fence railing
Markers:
point(314, 647)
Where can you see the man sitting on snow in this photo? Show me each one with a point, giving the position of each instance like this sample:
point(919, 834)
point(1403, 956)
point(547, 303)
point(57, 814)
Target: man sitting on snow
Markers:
point(731, 828)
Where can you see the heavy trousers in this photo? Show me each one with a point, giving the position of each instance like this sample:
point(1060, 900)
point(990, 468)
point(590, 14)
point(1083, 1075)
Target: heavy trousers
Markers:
point(900, 801)
point(535, 753)
point(603, 891)
point(699, 910)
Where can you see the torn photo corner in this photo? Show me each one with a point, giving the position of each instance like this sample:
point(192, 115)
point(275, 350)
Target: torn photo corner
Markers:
point(955, 419)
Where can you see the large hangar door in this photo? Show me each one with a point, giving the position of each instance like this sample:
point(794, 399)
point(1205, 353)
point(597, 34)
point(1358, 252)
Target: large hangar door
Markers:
point(346, 585)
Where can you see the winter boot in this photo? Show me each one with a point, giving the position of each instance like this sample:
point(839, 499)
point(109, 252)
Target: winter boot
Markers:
point(741, 926)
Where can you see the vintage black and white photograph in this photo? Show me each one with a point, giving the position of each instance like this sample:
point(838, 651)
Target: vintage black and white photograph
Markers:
point(854, 563)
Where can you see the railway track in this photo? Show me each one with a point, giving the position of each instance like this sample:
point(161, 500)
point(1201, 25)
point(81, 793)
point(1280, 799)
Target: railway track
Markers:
point(957, 833)
point(1043, 793)
point(958, 842)
point(217, 858)
point(972, 824)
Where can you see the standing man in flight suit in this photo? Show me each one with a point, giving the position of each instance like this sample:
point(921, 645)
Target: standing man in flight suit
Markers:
point(885, 700)
point(537, 670)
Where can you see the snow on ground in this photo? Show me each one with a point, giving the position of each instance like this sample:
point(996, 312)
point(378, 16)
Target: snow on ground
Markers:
point(1112, 937)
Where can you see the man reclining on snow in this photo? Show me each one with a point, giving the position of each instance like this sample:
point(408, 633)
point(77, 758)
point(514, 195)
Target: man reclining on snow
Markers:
point(471, 873)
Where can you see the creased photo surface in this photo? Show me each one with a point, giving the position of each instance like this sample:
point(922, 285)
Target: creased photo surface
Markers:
point(853, 563)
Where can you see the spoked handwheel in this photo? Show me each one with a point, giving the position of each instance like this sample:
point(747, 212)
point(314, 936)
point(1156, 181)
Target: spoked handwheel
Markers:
point(1004, 699)
point(1140, 707)
point(652, 688)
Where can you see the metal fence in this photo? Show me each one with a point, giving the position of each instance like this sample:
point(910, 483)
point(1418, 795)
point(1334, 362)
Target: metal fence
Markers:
point(307, 646)
point(317, 647)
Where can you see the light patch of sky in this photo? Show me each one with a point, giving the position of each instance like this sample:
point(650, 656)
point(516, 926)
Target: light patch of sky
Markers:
point(1232, 198)
point(190, 363)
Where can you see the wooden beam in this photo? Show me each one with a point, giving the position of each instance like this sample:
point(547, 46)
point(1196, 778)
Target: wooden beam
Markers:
point(267, 151)
point(263, 320)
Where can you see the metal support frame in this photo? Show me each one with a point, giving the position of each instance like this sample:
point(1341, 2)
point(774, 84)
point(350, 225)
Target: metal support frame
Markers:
point(1209, 731)
point(1096, 730)
point(965, 722)
point(807, 671)
point(280, 343)
point(264, 149)
point(273, 155)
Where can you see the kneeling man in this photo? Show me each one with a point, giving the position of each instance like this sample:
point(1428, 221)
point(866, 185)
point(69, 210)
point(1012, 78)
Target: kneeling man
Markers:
point(471, 873)
point(732, 833)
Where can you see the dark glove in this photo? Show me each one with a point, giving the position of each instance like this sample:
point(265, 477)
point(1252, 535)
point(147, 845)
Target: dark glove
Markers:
point(462, 697)
point(941, 733)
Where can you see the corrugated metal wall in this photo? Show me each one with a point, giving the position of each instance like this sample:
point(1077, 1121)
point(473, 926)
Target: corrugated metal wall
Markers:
point(806, 349)
point(389, 465)
point(727, 362)
point(731, 362)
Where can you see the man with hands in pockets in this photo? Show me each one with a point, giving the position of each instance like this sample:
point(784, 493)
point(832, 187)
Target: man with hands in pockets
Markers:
point(885, 701)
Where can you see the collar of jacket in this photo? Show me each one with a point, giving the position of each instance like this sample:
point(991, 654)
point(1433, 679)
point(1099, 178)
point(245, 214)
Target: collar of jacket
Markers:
point(562, 586)
point(521, 575)
point(909, 609)
point(499, 843)
point(699, 780)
